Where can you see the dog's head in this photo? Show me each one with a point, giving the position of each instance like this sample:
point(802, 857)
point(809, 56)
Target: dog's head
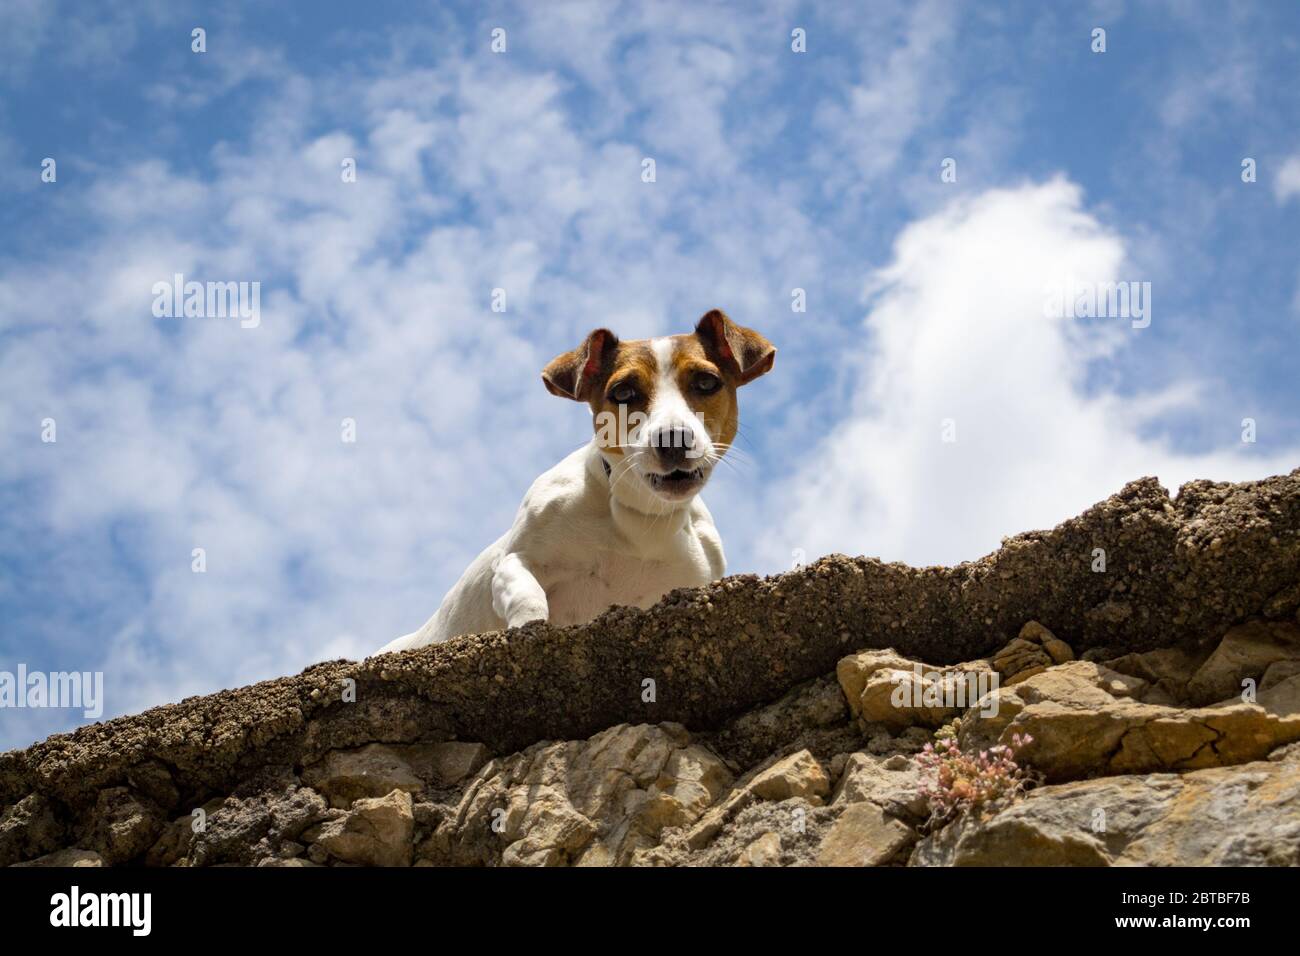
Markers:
point(664, 410)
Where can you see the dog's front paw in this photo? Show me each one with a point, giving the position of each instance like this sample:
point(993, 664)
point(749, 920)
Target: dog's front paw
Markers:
point(526, 617)
point(517, 598)
point(525, 614)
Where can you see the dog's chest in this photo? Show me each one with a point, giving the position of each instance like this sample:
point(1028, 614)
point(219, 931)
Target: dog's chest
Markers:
point(576, 591)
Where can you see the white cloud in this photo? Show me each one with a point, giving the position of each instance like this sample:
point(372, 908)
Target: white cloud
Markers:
point(24, 26)
point(958, 329)
point(902, 89)
point(213, 74)
point(33, 31)
point(1286, 184)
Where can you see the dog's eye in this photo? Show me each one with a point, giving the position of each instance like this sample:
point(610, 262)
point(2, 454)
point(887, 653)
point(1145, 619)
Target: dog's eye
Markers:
point(622, 394)
point(706, 384)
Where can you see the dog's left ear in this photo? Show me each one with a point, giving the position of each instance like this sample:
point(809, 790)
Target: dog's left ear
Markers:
point(571, 374)
point(746, 353)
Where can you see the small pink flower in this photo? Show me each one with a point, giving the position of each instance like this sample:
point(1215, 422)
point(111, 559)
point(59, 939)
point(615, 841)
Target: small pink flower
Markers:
point(956, 781)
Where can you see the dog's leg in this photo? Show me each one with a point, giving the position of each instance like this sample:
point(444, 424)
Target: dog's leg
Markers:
point(517, 598)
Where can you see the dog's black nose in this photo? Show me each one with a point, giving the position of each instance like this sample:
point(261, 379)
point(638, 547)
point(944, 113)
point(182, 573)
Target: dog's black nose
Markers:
point(672, 444)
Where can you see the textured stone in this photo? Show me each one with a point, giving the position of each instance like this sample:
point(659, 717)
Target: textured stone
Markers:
point(1281, 694)
point(1165, 672)
point(153, 780)
point(371, 771)
point(1084, 721)
point(864, 835)
point(798, 775)
point(893, 783)
point(1057, 649)
point(883, 688)
point(1245, 652)
point(452, 761)
point(378, 769)
point(812, 716)
point(122, 826)
point(377, 831)
point(711, 824)
point(765, 851)
point(67, 859)
point(29, 828)
point(1241, 816)
point(590, 802)
point(247, 830)
point(291, 862)
point(1032, 651)
point(798, 825)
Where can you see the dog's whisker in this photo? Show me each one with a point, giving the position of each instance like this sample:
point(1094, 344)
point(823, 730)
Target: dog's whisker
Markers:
point(733, 459)
point(731, 450)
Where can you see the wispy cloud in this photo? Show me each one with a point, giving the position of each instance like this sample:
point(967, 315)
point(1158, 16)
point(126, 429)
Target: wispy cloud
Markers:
point(1286, 185)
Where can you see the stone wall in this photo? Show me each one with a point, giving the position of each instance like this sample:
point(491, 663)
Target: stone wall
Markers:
point(750, 722)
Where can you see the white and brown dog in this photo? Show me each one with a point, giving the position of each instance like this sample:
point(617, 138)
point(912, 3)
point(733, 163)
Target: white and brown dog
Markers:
point(619, 520)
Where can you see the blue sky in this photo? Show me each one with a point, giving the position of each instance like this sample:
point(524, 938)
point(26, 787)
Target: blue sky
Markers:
point(521, 170)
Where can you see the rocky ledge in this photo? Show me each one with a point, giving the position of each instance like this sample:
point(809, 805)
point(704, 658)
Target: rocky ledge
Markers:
point(1140, 663)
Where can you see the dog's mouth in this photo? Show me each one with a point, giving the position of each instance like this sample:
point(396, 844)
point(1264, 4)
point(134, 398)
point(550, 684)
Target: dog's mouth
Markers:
point(678, 482)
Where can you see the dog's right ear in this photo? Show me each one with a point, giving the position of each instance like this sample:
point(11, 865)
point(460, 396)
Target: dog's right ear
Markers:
point(570, 375)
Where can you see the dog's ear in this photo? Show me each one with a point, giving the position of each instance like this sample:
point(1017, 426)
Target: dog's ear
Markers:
point(743, 351)
point(571, 374)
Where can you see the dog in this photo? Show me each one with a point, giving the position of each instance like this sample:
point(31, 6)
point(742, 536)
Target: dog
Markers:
point(619, 521)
